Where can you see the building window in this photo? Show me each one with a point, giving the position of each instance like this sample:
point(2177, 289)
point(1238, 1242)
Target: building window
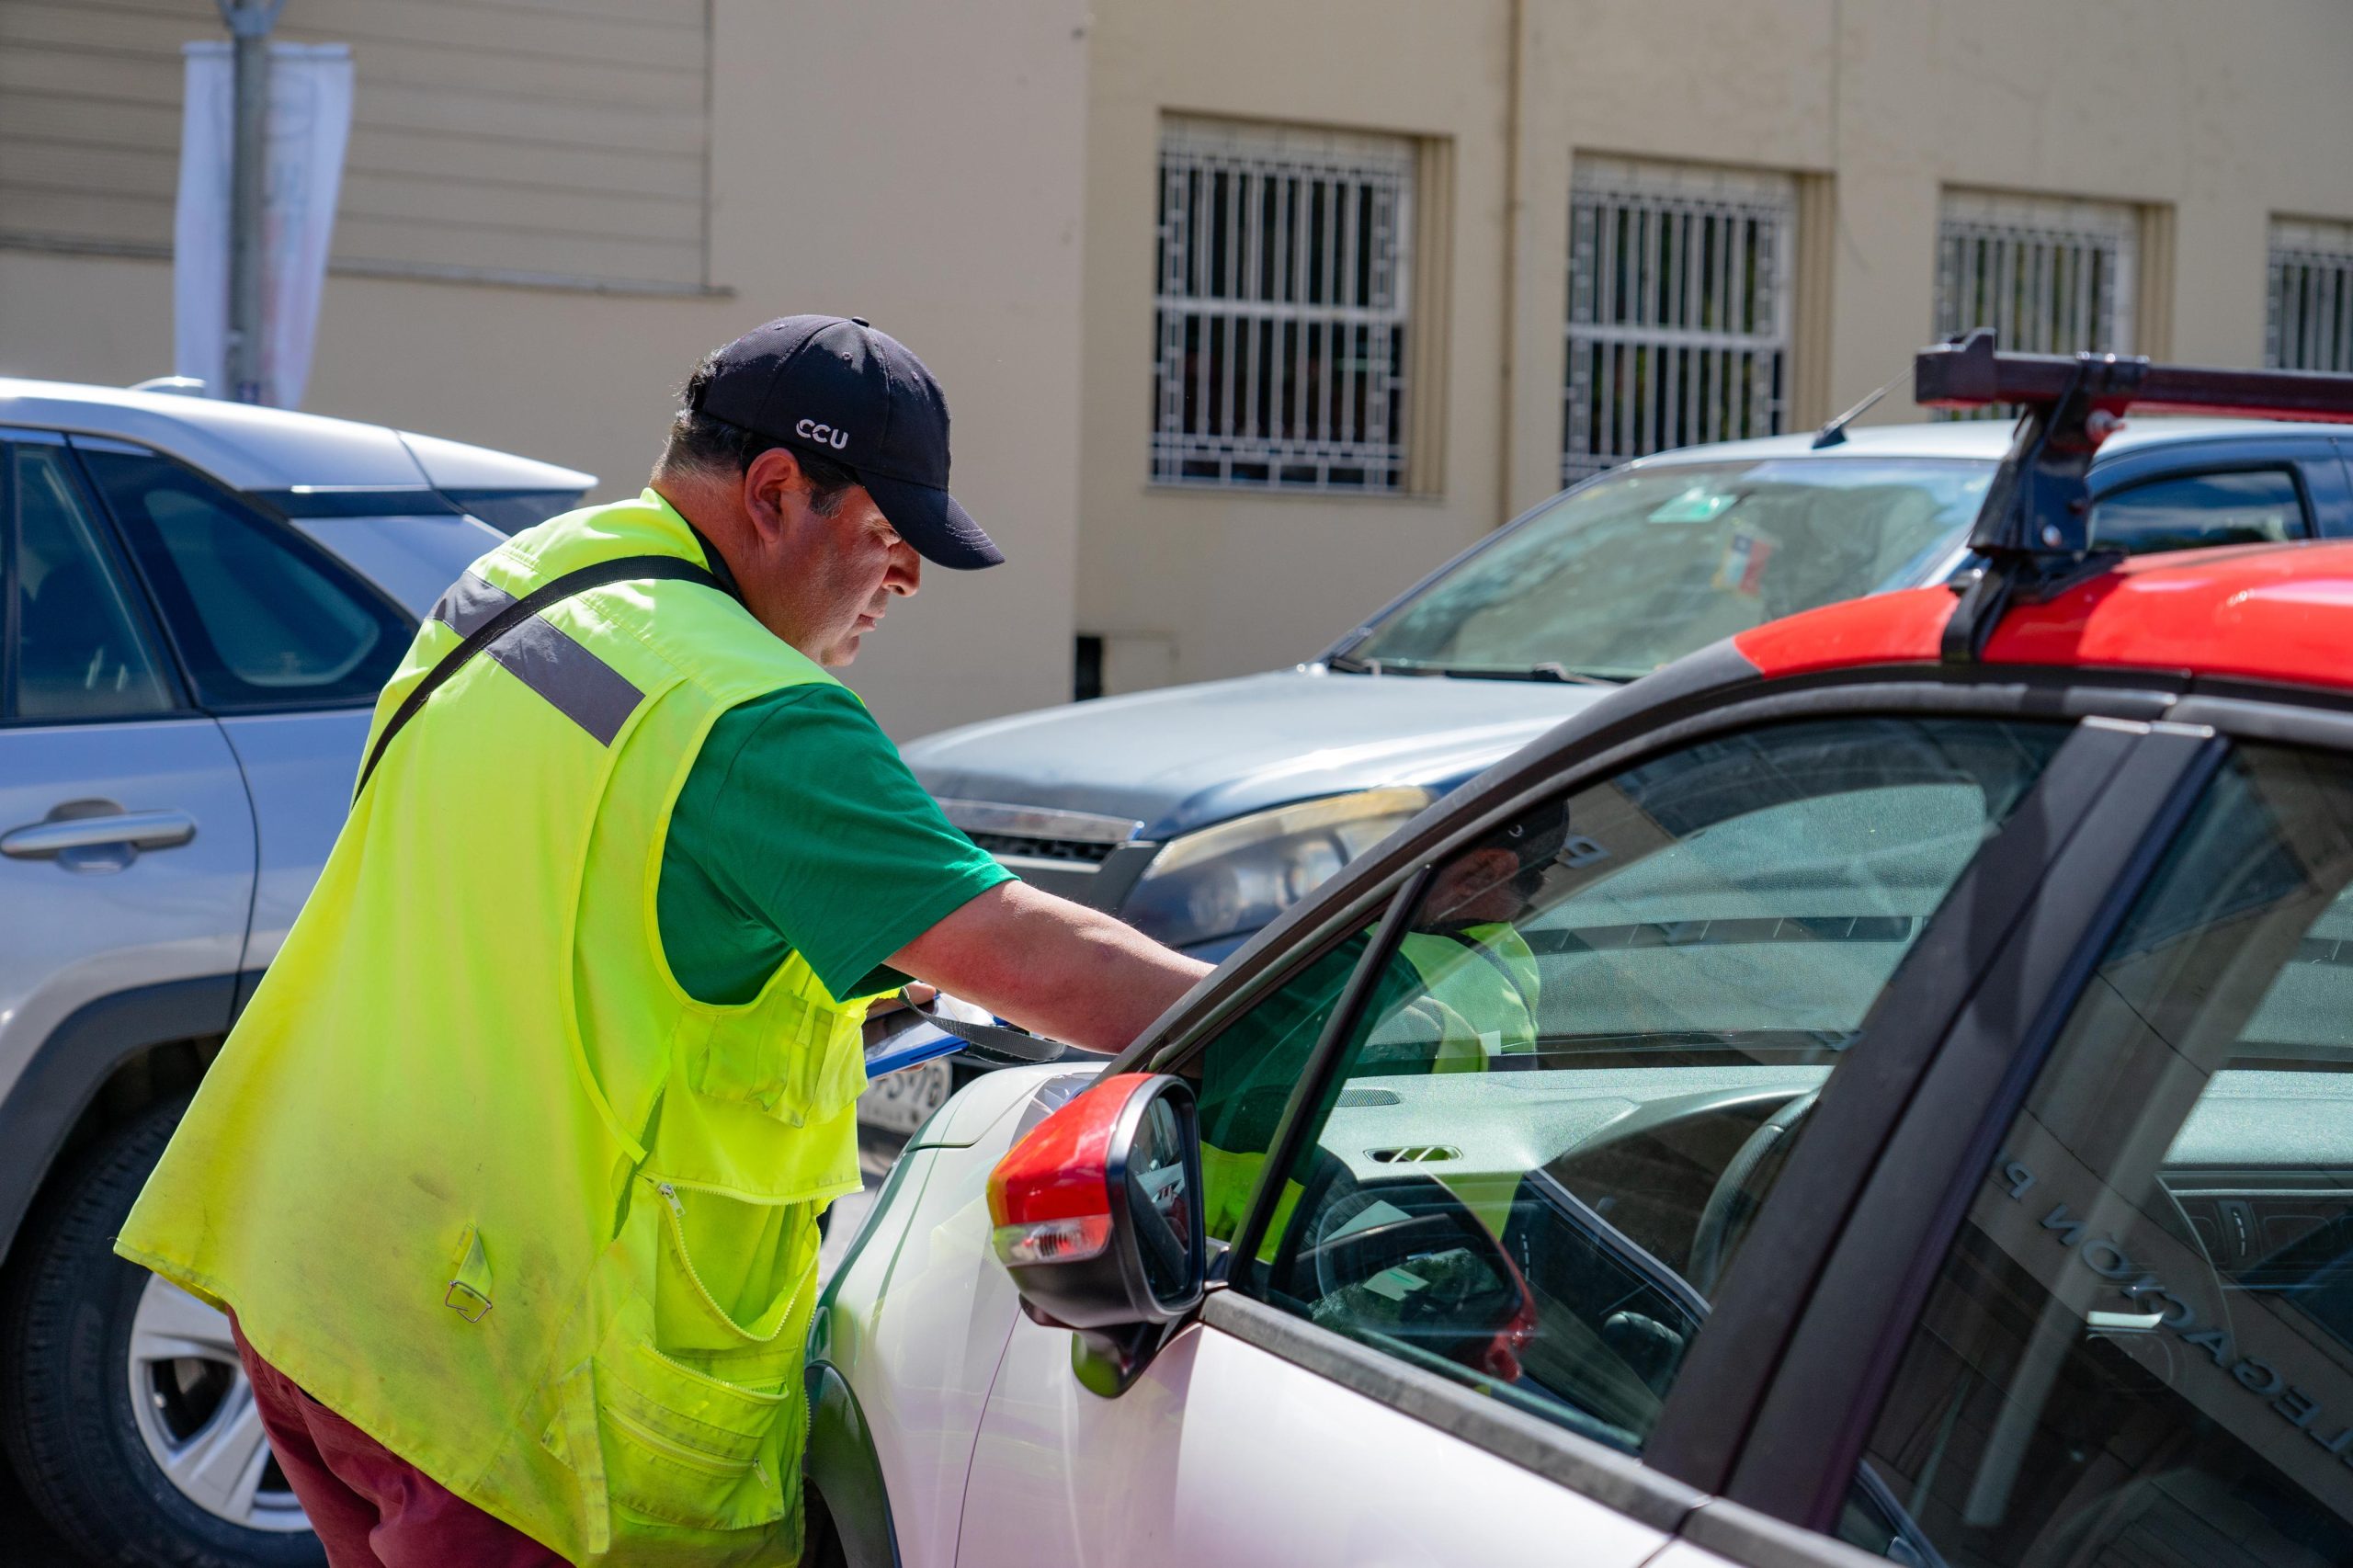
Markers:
point(2310, 324)
point(2049, 274)
point(1678, 322)
point(1284, 288)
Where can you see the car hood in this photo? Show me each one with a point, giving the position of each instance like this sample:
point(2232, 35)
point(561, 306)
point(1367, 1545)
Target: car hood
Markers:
point(1190, 756)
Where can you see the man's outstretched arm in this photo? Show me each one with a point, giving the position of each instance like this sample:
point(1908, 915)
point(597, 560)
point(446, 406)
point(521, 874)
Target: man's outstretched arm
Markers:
point(1065, 971)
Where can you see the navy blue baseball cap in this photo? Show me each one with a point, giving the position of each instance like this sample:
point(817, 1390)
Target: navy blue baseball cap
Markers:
point(836, 387)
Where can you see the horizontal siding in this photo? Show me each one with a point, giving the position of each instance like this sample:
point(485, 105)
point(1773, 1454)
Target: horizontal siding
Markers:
point(562, 139)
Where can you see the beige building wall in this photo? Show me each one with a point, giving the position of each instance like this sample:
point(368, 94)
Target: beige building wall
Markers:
point(2212, 119)
point(957, 228)
point(983, 181)
point(1189, 582)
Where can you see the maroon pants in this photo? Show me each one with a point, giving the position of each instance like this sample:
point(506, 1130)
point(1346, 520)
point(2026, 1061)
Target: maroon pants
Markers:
point(372, 1508)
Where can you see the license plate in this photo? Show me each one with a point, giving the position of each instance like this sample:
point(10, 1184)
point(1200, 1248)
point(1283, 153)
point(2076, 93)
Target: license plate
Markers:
point(898, 1102)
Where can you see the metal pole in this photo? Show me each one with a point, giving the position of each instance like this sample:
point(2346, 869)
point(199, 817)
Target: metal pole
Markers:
point(249, 23)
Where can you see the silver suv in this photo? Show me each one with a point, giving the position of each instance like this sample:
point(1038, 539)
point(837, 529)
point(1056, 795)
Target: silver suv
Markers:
point(199, 602)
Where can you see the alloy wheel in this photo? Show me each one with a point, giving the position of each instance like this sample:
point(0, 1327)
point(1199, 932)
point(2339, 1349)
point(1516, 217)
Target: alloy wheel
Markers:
point(196, 1413)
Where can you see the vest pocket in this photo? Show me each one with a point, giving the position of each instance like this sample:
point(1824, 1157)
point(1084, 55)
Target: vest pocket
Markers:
point(799, 1060)
point(689, 1448)
point(692, 1412)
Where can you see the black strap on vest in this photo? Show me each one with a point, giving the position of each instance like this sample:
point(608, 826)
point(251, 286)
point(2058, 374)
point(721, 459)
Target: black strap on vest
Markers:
point(626, 569)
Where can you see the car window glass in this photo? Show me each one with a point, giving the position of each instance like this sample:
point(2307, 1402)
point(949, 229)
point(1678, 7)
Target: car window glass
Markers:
point(1582, 1069)
point(1622, 574)
point(2258, 507)
point(2139, 1348)
point(262, 617)
point(81, 649)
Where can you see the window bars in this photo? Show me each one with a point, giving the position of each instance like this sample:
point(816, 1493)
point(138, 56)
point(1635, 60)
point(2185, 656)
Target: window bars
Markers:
point(2309, 323)
point(2049, 274)
point(1285, 276)
point(1678, 321)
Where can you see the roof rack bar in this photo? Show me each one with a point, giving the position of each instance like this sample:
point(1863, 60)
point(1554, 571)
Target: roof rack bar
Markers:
point(1969, 374)
point(2034, 529)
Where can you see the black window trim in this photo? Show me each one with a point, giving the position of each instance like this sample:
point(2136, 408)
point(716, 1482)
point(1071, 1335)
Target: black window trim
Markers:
point(1853, 1125)
point(1904, 1228)
point(1851, 1319)
point(2103, 708)
point(114, 561)
point(309, 550)
point(1625, 728)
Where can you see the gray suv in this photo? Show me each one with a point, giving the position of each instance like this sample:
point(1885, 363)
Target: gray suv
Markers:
point(199, 602)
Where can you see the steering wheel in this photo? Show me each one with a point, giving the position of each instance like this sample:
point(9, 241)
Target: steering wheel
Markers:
point(1731, 1202)
point(1473, 1308)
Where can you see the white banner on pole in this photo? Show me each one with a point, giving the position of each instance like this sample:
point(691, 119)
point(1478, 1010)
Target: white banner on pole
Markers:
point(310, 121)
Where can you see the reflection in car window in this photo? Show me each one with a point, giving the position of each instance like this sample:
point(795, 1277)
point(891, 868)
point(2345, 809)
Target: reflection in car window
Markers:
point(1636, 569)
point(1581, 1069)
point(2140, 1350)
point(81, 649)
point(261, 617)
point(2258, 507)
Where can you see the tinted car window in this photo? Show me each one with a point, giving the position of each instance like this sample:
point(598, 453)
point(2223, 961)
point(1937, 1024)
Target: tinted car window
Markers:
point(82, 648)
point(1583, 1068)
point(2139, 1349)
point(2258, 507)
point(262, 618)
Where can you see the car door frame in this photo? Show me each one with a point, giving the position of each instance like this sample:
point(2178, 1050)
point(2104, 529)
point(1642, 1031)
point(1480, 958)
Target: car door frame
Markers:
point(62, 1073)
point(1704, 1424)
point(1810, 1432)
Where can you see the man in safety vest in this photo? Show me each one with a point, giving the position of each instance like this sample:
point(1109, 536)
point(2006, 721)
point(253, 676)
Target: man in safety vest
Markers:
point(510, 1174)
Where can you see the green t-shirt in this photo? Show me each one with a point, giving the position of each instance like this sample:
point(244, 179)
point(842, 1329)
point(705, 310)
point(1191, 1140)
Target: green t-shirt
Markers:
point(800, 829)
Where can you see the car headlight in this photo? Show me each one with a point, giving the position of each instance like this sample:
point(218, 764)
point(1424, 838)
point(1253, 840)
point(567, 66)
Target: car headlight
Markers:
point(1239, 875)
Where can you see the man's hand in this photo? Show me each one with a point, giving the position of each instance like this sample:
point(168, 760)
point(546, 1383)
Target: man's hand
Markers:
point(1060, 969)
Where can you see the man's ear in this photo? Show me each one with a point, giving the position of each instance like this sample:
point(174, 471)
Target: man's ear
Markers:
point(775, 491)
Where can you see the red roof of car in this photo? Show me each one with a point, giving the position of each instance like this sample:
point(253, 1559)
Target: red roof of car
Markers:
point(2261, 612)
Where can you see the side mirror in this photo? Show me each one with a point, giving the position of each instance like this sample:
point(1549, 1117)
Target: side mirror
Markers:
point(1098, 1220)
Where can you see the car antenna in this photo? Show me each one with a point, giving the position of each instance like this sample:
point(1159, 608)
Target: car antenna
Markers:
point(2034, 531)
point(1835, 433)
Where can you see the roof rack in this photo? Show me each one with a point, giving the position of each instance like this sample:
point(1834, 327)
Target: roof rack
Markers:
point(2034, 531)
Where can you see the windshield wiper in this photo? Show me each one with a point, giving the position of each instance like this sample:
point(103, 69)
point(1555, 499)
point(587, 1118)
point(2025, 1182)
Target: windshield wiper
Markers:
point(1548, 670)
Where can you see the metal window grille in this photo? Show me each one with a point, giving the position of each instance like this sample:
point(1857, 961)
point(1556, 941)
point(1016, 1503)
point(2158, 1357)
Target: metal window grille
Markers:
point(2049, 274)
point(1285, 277)
point(1678, 320)
point(2309, 325)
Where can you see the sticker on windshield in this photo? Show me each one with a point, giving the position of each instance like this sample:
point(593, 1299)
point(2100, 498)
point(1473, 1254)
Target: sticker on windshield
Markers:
point(1742, 567)
point(1697, 505)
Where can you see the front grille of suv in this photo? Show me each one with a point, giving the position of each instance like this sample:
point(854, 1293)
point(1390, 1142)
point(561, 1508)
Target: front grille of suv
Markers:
point(1074, 852)
point(1042, 837)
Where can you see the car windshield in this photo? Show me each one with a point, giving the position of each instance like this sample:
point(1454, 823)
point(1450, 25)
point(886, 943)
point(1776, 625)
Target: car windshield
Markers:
point(1640, 568)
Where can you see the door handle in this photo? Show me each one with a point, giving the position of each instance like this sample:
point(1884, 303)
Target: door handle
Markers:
point(141, 830)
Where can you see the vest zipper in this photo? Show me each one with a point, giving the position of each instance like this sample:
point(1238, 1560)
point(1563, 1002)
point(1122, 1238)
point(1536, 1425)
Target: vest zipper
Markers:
point(731, 1470)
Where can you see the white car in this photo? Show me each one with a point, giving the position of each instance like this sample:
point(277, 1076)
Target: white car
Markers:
point(1934, 1146)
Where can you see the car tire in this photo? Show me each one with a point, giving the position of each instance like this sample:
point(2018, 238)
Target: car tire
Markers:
point(822, 1545)
point(86, 1453)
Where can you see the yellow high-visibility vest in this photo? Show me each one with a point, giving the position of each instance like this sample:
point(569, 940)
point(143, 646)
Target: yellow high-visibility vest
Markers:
point(473, 1169)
